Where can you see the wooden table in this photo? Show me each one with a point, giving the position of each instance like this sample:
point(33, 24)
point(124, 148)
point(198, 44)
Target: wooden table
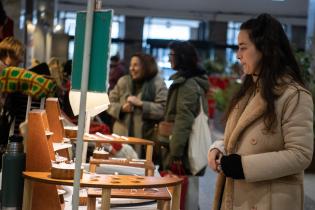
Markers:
point(106, 182)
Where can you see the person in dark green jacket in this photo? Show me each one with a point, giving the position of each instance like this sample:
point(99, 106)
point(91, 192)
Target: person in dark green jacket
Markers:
point(190, 82)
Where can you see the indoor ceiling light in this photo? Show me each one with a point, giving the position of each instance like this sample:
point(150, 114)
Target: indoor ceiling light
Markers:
point(57, 27)
point(30, 27)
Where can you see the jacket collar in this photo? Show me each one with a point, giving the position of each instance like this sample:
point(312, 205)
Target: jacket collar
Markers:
point(248, 110)
point(177, 78)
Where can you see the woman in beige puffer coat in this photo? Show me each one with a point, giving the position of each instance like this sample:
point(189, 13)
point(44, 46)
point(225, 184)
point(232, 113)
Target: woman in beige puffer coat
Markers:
point(268, 139)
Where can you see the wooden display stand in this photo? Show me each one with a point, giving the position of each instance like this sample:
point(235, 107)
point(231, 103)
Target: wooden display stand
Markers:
point(39, 155)
point(40, 195)
point(56, 126)
point(149, 170)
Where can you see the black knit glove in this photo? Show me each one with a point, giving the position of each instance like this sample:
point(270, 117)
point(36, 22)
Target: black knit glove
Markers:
point(232, 166)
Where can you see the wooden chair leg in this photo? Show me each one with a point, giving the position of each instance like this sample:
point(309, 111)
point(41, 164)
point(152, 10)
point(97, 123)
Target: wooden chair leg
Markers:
point(91, 203)
point(163, 205)
point(149, 172)
point(106, 198)
point(28, 194)
point(159, 204)
point(93, 168)
point(176, 197)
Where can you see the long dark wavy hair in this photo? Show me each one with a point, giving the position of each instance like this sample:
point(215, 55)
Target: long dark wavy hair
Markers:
point(277, 61)
point(186, 59)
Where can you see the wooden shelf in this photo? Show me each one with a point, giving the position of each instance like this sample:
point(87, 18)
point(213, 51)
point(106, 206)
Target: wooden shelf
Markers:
point(56, 125)
point(49, 133)
point(39, 154)
point(132, 163)
point(110, 139)
point(61, 146)
point(144, 193)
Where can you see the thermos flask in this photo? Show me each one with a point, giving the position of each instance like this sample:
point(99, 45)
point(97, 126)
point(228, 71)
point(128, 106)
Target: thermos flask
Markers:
point(12, 179)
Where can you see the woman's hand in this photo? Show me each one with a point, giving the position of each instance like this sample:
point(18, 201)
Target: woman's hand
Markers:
point(134, 100)
point(214, 157)
point(127, 107)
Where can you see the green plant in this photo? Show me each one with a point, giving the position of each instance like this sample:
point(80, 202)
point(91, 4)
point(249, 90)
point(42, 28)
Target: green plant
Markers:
point(222, 97)
point(305, 59)
point(214, 66)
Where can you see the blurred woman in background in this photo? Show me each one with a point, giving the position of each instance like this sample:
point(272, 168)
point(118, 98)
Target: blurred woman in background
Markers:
point(190, 84)
point(138, 100)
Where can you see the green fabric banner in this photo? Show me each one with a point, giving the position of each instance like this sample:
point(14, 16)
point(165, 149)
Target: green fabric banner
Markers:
point(100, 51)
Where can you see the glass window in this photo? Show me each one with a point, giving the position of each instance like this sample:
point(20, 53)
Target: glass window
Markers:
point(163, 28)
point(71, 49)
point(232, 33)
point(70, 23)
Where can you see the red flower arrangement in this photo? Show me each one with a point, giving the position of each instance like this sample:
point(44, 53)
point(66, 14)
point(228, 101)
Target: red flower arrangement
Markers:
point(220, 91)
